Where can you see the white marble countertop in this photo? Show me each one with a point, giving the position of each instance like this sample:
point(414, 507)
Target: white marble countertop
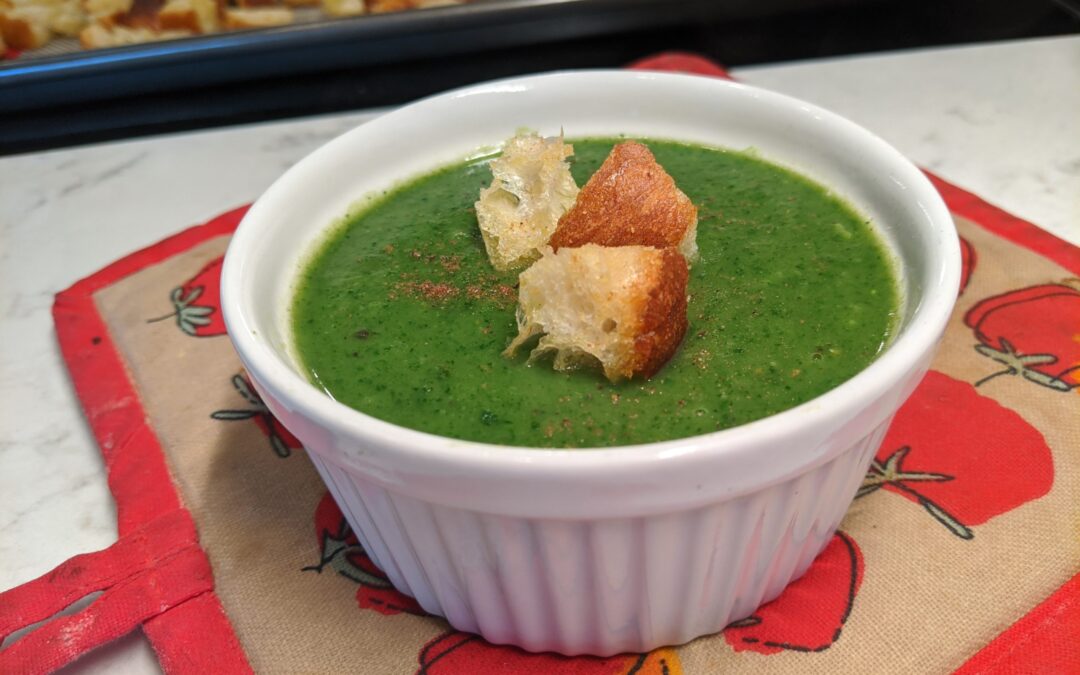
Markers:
point(1000, 120)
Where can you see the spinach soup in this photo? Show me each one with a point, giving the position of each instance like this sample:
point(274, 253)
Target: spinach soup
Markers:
point(400, 315)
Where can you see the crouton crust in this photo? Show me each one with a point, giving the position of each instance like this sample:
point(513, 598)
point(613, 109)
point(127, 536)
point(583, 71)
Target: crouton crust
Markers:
point(25, 28)
point(197, 16)
point(663, 315)
point(101, 10)
point(99, 35)
point(630, 200)
point(261, 17)
point(622, 306)
point(344, 7)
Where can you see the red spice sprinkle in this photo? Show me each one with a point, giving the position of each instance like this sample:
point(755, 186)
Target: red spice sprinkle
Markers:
point(498, 293)
point(430, 290)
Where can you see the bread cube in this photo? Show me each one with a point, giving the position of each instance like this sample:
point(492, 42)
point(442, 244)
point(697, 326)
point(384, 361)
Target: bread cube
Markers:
point(531, 189)
point(623, 306)
point(630, 200)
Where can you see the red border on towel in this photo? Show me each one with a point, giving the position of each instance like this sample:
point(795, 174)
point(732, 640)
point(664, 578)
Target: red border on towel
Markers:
point(1042, 642)
point(1007, 226)
point(194, 635)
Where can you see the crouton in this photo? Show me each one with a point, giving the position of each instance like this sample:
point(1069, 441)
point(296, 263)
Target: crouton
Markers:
point(622, 306)
point(143, 14)
point(99, 35)
point(630, 201)
point(106, 9)
point(197, 16)
point(344, 7)
point(262, 17)
point(68, 17)
point(531, 188)
point(26, 27)
point(383, 6)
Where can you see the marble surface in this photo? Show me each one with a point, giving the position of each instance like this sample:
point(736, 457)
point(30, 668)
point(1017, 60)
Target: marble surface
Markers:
point(997, 119)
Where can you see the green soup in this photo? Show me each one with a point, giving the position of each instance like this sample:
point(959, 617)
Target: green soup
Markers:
point(400, 315)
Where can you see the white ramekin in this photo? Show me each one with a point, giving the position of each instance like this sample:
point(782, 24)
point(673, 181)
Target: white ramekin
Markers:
point(605, 550)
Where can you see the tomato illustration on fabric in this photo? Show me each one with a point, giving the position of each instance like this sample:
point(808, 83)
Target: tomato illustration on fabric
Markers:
point(341, 552)
point(456, 653)
point(961, 456)
point(1033, 332)
point(810, 614)
point(967, 263)
point(197, 303)
point(281, 441)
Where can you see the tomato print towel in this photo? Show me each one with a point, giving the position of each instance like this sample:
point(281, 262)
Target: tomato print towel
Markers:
point(961, 550)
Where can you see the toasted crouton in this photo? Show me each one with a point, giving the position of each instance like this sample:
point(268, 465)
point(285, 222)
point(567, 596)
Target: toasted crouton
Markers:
point(383, 6)
point(344, 7)
point(99, 35)
point(68, 17)
point(197, 16)
point(106, 9)
point(630, 201)
point(143, 14)
point(624, 306)
point(262, 17)
point(26, 27)
point(531, 188)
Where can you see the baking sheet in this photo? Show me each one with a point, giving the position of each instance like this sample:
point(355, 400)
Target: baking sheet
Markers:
point(63, 74)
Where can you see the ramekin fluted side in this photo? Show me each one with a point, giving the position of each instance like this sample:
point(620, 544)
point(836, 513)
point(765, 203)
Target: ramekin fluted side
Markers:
point(601, 586)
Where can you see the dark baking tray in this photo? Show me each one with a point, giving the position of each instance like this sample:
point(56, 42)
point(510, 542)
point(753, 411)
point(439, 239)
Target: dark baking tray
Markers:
point(36, 82)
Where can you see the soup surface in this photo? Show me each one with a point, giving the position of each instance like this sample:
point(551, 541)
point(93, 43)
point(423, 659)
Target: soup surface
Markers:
point(400, 315)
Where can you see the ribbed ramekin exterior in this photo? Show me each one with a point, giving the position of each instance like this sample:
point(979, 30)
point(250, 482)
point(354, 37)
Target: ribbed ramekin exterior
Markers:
point(602, 586)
